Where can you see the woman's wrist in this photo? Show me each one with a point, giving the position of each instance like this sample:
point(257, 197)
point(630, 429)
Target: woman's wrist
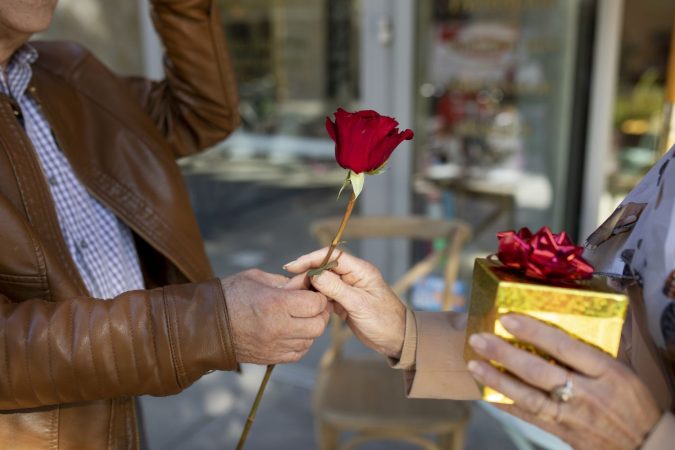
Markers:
point(398, 330)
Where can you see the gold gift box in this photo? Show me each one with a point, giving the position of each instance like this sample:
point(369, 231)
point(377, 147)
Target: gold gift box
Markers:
point(588, 310)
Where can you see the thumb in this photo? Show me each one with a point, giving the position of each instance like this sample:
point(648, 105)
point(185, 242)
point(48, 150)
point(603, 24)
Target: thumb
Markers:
point(332, 286)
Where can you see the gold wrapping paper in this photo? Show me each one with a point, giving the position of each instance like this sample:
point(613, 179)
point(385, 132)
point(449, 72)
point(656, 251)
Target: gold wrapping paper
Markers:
point(588, 310)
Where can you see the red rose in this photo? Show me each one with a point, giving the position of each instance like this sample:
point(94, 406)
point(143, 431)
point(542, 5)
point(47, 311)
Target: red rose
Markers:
point(543, 255)
point(364, 140)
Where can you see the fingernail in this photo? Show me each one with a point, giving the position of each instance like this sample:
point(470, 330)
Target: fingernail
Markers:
point(478, 342)
point(317, 277)
point(475, 368)
point(285, 266)
point(511, 323)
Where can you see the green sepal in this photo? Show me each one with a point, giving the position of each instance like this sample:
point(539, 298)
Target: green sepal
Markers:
point(344, 184)
point(319, 270)
point(357, 180)
point(379, 170)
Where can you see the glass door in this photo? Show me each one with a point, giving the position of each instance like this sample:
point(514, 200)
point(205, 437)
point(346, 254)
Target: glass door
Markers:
point(257, 192)
point(295, 61)
point(495, 95)
point(643, 107)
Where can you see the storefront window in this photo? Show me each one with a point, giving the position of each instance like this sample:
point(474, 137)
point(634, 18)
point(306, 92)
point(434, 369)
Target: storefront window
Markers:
point(296, 61)
point(639, 115)
point(257, 192)
point(496, 90)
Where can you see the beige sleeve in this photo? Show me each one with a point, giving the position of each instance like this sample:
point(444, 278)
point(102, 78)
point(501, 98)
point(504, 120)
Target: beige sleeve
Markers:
point(407, 360)
point(438, 369)
point(662, 436)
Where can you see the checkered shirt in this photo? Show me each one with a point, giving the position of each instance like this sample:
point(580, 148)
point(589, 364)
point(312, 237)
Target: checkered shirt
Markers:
point(101, 245)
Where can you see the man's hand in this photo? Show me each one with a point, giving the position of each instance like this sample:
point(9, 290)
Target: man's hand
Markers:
point(372, 310)
point(271, 323)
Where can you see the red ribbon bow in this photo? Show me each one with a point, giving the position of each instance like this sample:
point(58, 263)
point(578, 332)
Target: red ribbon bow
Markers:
point(543, 255)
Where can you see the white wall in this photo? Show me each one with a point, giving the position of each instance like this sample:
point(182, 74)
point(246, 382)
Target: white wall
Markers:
point(110, 29)
point(603, 94)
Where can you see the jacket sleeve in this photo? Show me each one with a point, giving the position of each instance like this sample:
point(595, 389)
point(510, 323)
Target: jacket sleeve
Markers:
point(438, 370)
point(196, 105)
point(154, 342)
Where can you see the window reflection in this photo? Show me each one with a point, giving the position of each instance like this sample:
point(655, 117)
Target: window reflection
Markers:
point(296, 60)
point(496, 88)
point(639, 111)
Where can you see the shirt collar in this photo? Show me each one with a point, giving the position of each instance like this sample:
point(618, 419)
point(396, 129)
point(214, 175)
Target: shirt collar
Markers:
point(26, 54)
point(18, 73)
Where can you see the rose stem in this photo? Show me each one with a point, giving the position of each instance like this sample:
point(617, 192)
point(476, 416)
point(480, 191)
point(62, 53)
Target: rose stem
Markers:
point(270, 368)
point(254, 408)
point(338, 235)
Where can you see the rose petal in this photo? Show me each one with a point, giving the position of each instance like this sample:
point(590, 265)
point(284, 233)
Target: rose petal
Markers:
point(330, 128)
point(364, 139)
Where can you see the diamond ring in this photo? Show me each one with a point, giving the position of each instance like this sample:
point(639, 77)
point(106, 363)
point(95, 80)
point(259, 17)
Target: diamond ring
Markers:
point(563, 393)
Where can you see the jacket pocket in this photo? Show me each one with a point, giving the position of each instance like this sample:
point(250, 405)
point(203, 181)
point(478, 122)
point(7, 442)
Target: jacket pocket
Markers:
point(23, 287)
point(23, 272)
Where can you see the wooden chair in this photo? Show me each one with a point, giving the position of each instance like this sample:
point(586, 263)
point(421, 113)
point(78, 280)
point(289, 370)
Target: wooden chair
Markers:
point(364, 396)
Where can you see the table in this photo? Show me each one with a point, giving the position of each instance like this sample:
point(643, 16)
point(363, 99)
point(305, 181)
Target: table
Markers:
point(508, 189)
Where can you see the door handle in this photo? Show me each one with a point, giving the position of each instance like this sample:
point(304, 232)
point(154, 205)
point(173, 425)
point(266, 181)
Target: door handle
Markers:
point(385, 31)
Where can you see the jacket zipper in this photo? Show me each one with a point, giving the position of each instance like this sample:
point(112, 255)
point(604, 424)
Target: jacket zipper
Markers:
point(17, 113)
point(58, 237)
point(44, 111)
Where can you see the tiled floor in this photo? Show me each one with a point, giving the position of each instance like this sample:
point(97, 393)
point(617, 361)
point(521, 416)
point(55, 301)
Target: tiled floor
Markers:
point(210, 414)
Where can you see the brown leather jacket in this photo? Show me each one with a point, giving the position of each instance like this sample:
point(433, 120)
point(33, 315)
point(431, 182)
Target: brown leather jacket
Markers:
point(71, 364)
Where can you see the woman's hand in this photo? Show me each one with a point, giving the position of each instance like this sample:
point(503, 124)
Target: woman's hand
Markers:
point(608, 407)
point(372, 310)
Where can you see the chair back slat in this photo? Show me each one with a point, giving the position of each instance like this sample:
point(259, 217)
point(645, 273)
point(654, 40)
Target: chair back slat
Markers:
point(411, 227)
